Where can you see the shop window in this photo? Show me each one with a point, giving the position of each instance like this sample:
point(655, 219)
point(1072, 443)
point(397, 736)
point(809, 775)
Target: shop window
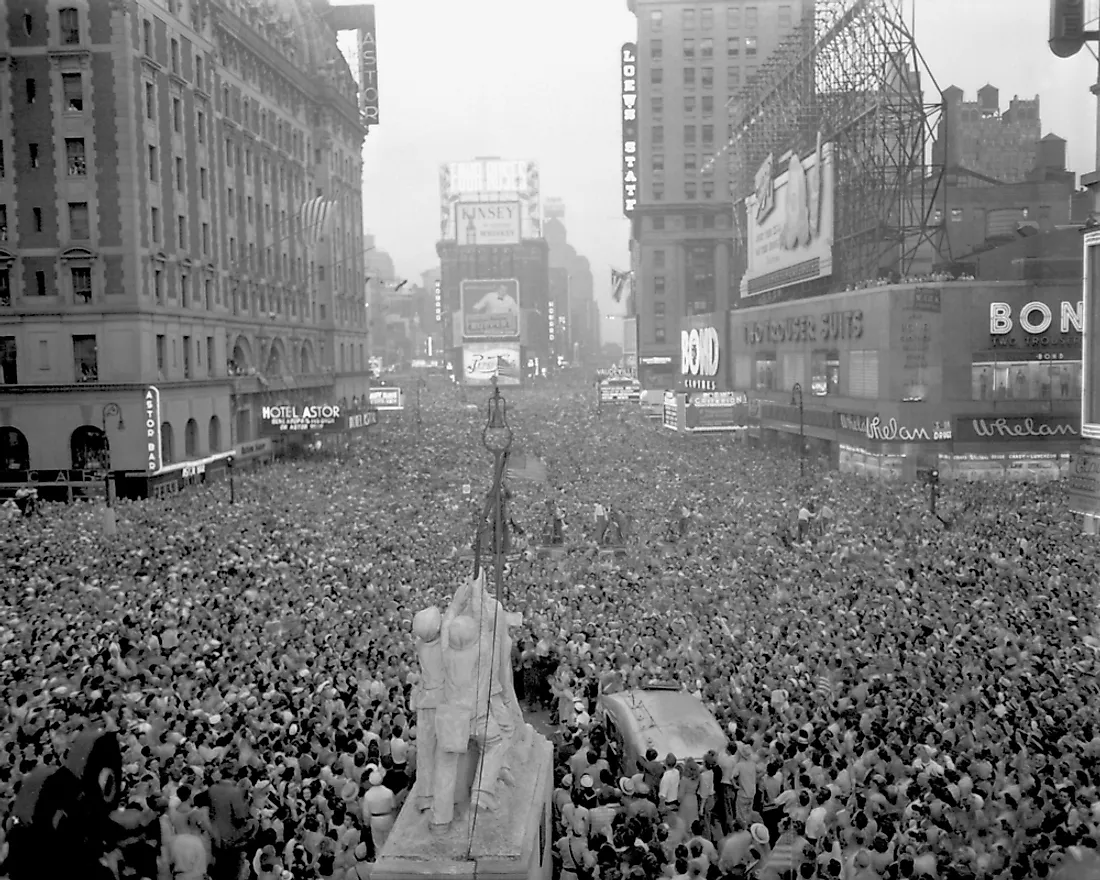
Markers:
point(764, 372)
point(1025, 380)
point(863, 374)
point(742, 370)
point(824, 373)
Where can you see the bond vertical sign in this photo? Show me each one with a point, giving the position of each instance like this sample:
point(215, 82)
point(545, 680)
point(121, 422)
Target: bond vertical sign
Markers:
point(629, 63)
point(368, 69)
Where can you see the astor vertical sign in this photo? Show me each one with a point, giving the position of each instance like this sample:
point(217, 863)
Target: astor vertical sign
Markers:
point(368, 69)
point(153, 455)
point(630, 127)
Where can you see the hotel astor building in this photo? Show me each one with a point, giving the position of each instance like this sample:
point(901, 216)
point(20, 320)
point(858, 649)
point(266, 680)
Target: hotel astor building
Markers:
point(180, 231)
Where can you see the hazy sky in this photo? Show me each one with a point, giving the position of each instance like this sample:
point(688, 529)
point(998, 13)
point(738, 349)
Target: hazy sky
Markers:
point(522, 79)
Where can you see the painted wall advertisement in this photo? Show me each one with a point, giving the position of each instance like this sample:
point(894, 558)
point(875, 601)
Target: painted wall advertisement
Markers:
point(368, 69)
point(485, 182)
point(481, 361)
point(790, 221)
point(490, 308)
point(715, 411)
point(488, 222)
point(154, 458)
point(628, 60)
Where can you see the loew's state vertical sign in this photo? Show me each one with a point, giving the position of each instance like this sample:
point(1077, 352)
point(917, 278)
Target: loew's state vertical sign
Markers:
point(629, 63)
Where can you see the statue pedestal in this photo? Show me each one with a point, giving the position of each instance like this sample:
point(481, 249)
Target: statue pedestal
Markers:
point(511, 842)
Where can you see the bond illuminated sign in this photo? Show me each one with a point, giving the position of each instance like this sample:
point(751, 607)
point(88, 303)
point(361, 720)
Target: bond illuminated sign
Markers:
point(629, 64)
point(1035, 318)
point(699, 358)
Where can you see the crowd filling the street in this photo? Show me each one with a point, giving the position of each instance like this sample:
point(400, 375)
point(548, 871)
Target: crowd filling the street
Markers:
point(903, 695)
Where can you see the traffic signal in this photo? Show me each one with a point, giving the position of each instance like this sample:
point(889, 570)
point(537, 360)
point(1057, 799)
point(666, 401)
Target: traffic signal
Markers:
point(1067, 27)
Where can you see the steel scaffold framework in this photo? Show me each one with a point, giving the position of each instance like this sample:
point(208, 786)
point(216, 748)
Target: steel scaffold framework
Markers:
point(852, 72)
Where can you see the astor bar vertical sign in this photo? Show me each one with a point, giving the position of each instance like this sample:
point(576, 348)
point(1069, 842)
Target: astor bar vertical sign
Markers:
point(153, 458)
point(368, 69)
point(630, 127)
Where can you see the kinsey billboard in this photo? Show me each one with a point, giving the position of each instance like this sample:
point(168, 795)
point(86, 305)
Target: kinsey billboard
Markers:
point(488, 222)
point(153, 455)
point(387, 398)
point(790, 222)
point(489, 181)
point(368, 69)
point(987, 429)
point(629, 63)
point(490, 308)
point(715, 411)
point(481, 361)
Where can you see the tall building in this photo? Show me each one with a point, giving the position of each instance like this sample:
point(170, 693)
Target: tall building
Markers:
point(978, 137)
point(693, 56)
point(577, 330)
point(180, 210)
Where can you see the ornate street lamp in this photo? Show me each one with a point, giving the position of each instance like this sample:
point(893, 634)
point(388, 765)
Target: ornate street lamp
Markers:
point(496, 436)
point(796, 392)
point(110, 411)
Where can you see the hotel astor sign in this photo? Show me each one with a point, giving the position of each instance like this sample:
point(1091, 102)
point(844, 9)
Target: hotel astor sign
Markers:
point(699, 358)
point(629, 63)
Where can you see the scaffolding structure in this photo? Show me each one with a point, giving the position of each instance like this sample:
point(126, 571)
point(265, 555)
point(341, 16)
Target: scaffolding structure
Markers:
point(851, 73)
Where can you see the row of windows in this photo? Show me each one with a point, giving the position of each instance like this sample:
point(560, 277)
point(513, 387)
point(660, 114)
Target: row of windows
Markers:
point(691, 221)
point(705, 133)
point(706, 77)
point(68, 23)
point(692, 162)
point(692, 190)
point(734, 18)
point(734, 45)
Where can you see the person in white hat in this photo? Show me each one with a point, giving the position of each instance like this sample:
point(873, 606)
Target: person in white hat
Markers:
point(379, 810)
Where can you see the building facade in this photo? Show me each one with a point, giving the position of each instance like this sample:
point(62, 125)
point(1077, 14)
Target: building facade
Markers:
point(977, 136)
point(154, 232)
point(577, 330)
point(693, 56)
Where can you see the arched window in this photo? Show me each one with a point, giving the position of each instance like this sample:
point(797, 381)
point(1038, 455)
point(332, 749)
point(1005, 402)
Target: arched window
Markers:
point(214, 435)
point(191, 438)
point(14, 451)
point(167, 443)
point(90, 449)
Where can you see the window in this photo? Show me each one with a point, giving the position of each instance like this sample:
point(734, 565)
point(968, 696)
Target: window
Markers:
point(659, 280)
point(689, 20)
point(733, 47)
point(657, 105)
point(174, 55)
point(733, 78)
point(69, 21)
point(154, 224)
point(656, 19)
point(85, 359)
point(752, 18)
point(185, 290)
point(863, 374)
point(689, 103)
point(181, 231)
point(200, 127)
point(658, 161)
point(708, 135)
point(824, 373)
point(210, 359)
point(689, 48)
point(32, 91)
point(1, 159)
point(764, 372)
point(40, 283)
point(706, 48)
point(200, 72)
point(750, 46)
point(167, 443)
point(708, 193)
point(177, 115)
point(691, 222)
point(202, 184)
point(28, 23)
point(657, 135)
point(150, 101)
point(707, 79)
point(147, 37)
point(74, 157)
point(36, 214)
point(82, 284)
point(230, 202)
point(9, 372)
point(158, 285)
point(78, 221)
point(72, 91)
point(656, 76)
point(187, 357)
point(658, 259)
point(659, 334)
point(228, 153)
point(689, 135)
point(179, 174)
point(659, 308)
point(656, 50)
point(689, 76)
point(733, 18)
point(784, 16)
point(690, 162)
point(706, 19)
point(5, 287)
point(160, 352)
point(956, 215)
point(206, 239)
point(658, 192)
point(691, 191)
point(33, 149)
point(153, 164)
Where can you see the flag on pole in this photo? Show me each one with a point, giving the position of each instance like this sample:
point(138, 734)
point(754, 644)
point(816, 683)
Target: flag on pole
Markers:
point(526, 467)
point(618, 283)
point(312, 217)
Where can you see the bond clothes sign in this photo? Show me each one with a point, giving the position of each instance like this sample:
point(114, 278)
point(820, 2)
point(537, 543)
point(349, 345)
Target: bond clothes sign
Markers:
point(368, 69)
point(1036, 324)
point(288, 419)
point(488, 223)
point(629, 63)
point(699, 358)
point(986, 429)
point(153, 455)
point(490, 308)
point(874, 427)
point(790, 222)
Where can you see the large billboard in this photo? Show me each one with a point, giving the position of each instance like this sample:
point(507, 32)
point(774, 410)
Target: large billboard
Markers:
point(368, 69)
point(488, 222)
point(481, 361)
point(490, 308)
point(490, 181)
point(628, 61)
point(790, 222)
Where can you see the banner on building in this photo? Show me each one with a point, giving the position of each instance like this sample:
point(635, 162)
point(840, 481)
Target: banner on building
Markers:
point(488, 223)
point(790, 222)
point(368, 69)
point(490, 181)
point(481, 361)
point(490, 308)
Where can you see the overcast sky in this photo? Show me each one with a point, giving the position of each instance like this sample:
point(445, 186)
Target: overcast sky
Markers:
point(540, 80)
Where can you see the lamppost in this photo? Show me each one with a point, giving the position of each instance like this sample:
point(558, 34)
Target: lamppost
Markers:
point(496, 436)
point(419, 423)
point(796, 392)
point(232, 488)
point(110, 411)
point(933, 489)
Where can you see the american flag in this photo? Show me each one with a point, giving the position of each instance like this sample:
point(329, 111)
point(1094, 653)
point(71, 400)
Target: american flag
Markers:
point(312, 217)
point(526, 467)
point(618, 283)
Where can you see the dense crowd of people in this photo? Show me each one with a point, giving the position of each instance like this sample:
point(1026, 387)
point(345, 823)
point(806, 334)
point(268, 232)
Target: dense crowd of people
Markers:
point(901, 699)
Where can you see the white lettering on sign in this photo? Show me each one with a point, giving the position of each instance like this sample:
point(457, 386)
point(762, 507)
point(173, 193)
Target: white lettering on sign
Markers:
point(1036, 317)
point(324, 411)
point(699, 352)
point(877, 429)
point(193, 470)
point(628, 61)
point(153, 458)
point(1026, 427)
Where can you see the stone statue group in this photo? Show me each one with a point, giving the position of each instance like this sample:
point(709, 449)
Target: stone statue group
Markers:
point(468, 716)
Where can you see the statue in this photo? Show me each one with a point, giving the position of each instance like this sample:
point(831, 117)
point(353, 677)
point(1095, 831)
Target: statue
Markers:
point(426, 697)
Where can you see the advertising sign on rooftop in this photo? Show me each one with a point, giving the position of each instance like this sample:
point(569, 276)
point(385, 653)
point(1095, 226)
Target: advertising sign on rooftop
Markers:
point(490, 308)
point(489, 181)
point(488, 222)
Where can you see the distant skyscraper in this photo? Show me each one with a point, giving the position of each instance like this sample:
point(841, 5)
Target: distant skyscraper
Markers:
point(977, 136)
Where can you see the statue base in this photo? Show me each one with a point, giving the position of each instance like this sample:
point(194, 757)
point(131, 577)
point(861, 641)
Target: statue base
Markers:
point(511, 842)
